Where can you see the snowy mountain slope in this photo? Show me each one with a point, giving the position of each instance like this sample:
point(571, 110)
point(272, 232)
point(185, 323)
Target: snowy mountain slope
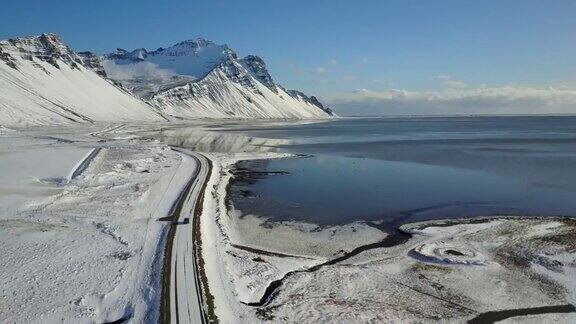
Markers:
point(147, 73)
point(44, 82)
point(195, 57)
point(197, 78)
point(231, 91)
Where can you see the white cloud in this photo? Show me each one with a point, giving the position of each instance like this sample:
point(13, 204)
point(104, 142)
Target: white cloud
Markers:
point(349, 77)
point(319, 70)
point(442, 77)
point(484, 100)
point(137, 70)
point(450, 82)
point(455, 84)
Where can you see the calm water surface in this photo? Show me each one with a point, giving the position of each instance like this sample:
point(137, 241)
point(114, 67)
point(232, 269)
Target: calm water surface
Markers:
point(407, 169)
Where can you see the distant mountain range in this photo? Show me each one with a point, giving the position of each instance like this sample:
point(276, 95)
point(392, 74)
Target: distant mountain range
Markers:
point(43, 81)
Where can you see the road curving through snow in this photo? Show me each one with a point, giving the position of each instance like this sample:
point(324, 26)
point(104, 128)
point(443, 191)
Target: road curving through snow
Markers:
point(182, 287)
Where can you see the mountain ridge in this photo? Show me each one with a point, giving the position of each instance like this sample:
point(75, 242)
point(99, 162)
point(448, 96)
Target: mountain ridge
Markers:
point(46, 82)
point(205, 56)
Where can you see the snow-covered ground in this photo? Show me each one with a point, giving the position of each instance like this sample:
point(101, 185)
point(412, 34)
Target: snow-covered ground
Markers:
point(441, 271)
point(80, 210)
point(451, 273)
point(81, 241)
point(86, 248)
point(33, 169)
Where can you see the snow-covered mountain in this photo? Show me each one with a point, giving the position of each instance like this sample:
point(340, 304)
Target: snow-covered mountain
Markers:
point(197, 78)
point(192, 57)
point(43, 81)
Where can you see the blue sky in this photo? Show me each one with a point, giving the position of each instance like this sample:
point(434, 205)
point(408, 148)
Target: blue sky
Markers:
point(335, 47)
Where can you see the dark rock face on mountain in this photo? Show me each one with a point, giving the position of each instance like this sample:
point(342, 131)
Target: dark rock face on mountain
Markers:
point(46, 47)
point(136, 55)
point(8, 59)
point(313, 100)
point(257, 67)
point(92, 61)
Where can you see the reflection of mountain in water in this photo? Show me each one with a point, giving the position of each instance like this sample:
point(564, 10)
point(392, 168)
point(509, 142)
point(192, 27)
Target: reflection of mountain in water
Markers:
point(204, 141)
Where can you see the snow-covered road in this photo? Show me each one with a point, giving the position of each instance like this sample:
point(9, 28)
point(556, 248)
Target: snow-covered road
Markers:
point(85, 216)
point(185, 297)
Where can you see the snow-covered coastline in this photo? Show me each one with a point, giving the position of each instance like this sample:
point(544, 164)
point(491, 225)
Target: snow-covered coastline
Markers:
point(82, 236)
point(457, 267)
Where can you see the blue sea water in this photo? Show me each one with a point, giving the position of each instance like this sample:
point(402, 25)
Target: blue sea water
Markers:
point(399, 170)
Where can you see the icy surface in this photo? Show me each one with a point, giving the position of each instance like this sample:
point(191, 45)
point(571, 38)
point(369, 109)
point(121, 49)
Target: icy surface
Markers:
point(95, 238)
point(33, 169)
point(450, 271)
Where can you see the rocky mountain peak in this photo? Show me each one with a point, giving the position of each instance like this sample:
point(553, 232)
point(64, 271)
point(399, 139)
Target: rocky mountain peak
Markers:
point(196, 47)
point(310, 99)
point(44, 44)
point(191, 79)
point(92, 61)
point(121, 54)
point(257, 67)
point(174, 70)
point(197, 42)
point(192, 58)
point(48, 47)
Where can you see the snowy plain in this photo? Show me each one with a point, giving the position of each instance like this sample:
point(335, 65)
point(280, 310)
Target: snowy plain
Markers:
point(85, 249)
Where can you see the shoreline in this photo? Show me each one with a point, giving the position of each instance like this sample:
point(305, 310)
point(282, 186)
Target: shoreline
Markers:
point(223, 179)
point(315, 272)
